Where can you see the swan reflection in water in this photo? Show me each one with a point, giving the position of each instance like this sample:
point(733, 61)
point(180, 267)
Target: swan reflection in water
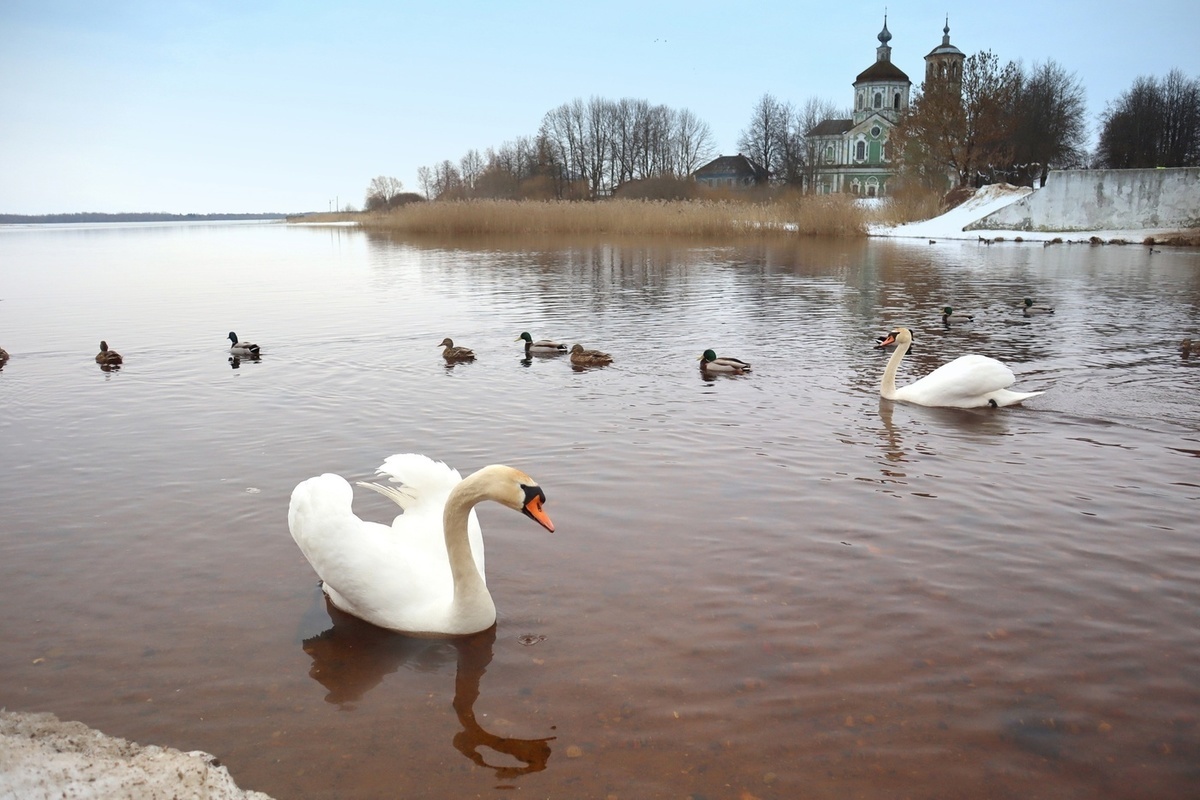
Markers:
point(352, 657)
point(980, 425)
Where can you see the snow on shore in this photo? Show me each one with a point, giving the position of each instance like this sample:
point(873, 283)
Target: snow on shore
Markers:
point(42, 758)
point(985, 201)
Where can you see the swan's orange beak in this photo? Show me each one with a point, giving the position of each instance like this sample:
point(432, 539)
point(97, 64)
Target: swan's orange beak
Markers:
point(533, 508)
point(885, 341)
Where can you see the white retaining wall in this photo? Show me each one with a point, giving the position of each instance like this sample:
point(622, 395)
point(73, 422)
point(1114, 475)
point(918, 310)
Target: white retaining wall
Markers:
point(1104, 199)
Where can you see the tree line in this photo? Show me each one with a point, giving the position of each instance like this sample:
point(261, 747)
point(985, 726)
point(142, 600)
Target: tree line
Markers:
point(1004, 122)
point(1156, 123)
point(1014, 124)
point(582, 150)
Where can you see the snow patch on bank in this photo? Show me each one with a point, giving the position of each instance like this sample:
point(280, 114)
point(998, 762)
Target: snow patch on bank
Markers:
point(985, 201)
point(42, 757)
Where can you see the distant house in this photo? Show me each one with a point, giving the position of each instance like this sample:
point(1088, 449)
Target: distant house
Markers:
point(736, 171)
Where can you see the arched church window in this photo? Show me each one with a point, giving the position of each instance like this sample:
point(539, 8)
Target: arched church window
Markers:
point(878, 100)
point(860, 150)
point(860, 101)
point(829, 153)
point(896, 101)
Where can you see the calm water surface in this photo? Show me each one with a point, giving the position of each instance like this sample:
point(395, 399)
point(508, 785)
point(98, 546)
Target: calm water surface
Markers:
point(772, 586)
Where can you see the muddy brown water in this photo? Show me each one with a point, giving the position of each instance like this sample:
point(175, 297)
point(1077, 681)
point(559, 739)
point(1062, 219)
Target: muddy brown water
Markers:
point(770, 586)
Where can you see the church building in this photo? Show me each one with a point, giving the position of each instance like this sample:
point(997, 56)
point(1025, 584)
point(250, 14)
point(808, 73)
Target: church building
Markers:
point(854, 155)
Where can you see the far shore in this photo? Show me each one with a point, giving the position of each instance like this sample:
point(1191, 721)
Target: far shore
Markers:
point(837, 215)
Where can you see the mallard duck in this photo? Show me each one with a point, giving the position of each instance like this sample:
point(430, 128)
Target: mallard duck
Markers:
point(423, 574)
point(452, 353)
point(241, 348)
point(1186, 348)
point(3, 355)
point(1031, 309)
point(108, 358)
point(971, 381)
point(588, 358)
point(710, 363)
point(543, 347)
point(950, 318)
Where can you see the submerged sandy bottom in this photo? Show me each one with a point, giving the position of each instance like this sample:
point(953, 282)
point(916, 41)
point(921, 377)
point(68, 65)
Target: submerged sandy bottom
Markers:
point(43, 757)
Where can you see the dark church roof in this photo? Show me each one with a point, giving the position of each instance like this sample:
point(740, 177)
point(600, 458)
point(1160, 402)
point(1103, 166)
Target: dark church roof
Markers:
point(832, 127)
point(881, 71)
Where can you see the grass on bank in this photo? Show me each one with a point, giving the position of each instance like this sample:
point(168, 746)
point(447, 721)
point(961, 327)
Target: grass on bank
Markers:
point(835, 215)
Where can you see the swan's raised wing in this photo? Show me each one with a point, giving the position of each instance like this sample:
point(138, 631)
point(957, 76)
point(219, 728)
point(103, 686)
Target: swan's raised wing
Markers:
point(422, 480)
point(423, 487)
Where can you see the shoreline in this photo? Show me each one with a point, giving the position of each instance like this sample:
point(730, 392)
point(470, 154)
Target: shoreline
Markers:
point(42, 756)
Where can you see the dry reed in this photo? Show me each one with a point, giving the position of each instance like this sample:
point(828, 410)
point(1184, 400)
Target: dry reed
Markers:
point(817, 216)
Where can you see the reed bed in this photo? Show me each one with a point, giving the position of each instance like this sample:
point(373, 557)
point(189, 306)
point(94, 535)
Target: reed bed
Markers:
point(815, 216)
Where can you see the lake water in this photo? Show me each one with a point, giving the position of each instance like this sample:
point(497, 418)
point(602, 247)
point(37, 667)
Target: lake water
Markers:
point(768, 586)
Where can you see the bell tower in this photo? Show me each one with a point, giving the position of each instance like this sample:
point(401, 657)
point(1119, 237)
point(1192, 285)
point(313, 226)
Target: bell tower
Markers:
point(944, 64)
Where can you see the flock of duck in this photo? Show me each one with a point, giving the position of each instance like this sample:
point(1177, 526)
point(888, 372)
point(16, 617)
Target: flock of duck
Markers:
point(583, 357)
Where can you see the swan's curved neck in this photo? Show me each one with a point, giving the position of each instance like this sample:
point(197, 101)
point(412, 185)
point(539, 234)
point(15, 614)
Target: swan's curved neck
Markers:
point(465, 496)
point(887, 388)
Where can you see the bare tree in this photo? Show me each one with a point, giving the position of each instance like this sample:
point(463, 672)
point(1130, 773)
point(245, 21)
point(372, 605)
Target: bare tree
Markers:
point(762, 139)
point(693, 143)
point(811, 114)
point(381, 192)
point(447, 183)
point(425, 178)
point(470, 167)
point(1155, 123)
point(963, 136)
point(1050, 127)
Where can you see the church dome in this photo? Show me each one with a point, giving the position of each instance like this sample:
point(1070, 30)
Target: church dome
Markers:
point(945, 48)
point(883, 70)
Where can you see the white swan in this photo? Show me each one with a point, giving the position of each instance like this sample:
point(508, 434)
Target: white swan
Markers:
point(424, 574)
point(967, 382)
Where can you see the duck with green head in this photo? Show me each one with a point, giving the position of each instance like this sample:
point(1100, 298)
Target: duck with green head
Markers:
point(240, 348)
point(950, 318)
point(1031, 309)
point(733, 366)
point(542, 347)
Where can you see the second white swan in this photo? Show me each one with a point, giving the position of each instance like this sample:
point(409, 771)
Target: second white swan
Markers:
point(970, 381)
point(424, 574)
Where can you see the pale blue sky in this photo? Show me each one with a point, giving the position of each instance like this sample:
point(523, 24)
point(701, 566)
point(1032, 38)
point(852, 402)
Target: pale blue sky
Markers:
point(246, 106)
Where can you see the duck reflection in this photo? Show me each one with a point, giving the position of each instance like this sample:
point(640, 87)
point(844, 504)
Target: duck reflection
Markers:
point(236, 361)
point(352, 657)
